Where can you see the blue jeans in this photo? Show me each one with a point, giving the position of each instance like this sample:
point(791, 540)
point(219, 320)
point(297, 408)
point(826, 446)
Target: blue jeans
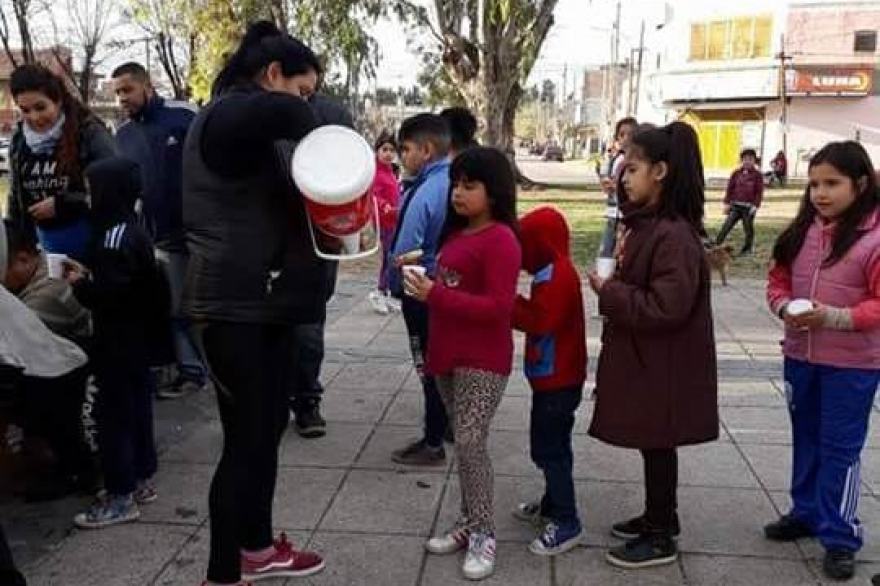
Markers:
point(550, 437)
point(189, 359)
point(415, 314)
point(305, 380)
point(830, 409)
point(72, 240)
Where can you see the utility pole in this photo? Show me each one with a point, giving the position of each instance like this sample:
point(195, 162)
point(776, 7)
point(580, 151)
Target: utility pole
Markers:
point(784, 58)
point(638, 89)
point(613, 74)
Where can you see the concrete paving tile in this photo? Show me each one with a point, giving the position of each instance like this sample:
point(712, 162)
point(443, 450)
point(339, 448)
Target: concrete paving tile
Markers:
point(514, 566)
point(354, 405)
point(406, 409)
point(125, 555)
point(864, 572)
point(183, 494)
point(337, 449)
point(203, 446)
point(750, 394)
point(302, 496)
point(386, 439)
point(386, 502)
point(728, 521)
point(366, 560)
point(378, 377)
point(715, 570)
point(714, 464)
point(757, 425)
point(586, 566)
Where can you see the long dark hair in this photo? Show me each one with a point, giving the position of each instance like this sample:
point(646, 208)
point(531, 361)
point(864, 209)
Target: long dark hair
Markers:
point(848, 158)
point(262, 44)
point(684, 187)
point(490, 167)
point(34, 77)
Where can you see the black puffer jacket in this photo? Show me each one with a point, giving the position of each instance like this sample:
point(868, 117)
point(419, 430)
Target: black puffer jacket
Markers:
point(251, 255)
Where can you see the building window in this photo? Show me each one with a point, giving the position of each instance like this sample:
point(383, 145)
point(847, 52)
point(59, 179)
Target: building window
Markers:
point(865, 42)
point(736, 38)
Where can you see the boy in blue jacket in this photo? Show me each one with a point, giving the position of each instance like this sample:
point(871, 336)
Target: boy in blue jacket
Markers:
point(424, 143)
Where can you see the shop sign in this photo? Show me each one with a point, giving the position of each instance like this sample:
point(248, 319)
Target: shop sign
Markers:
point(829, 82)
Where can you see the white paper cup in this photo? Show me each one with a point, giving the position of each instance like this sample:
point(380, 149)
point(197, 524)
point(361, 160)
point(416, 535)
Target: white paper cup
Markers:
point(798, 306)
point(412, 270)
point(55, 265)
point(605, 267)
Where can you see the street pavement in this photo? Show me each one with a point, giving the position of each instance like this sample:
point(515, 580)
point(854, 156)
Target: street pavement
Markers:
point(343, 496)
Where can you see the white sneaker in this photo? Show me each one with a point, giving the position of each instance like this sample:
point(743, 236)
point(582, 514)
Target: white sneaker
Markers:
point(377, 300)
point(479, 563)
point(392, 303)
point(456, 539)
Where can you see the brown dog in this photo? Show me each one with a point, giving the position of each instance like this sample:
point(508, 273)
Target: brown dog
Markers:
point(719, 258)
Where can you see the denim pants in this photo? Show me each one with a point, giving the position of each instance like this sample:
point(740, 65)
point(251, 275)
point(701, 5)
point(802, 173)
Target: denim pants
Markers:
point(415, 314)
point(189, 359)
point(552, 420)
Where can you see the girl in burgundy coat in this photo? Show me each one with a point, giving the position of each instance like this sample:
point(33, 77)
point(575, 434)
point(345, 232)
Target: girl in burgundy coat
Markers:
point(656, 385)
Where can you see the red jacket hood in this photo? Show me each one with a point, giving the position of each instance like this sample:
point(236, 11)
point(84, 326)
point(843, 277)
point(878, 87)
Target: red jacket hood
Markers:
point(545, 238)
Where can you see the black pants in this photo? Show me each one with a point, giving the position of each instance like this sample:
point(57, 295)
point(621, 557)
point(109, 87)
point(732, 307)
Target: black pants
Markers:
point(415, 314)
point(737, 213)
point(552, 420)
point(53, 410)
point(305, 380)
point(661, 488)
point(250, 367)
point(124, 412)
point(9, 575)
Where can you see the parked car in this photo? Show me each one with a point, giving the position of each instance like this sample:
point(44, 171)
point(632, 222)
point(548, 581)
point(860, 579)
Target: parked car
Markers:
point(554, 152)
point(4, 156)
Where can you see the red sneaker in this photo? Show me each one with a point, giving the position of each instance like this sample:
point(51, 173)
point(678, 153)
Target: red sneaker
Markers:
point(286, 562)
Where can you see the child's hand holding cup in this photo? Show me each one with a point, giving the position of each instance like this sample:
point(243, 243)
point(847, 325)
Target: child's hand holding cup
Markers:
point(412, 277)
point(55, 265)
point(72, 271)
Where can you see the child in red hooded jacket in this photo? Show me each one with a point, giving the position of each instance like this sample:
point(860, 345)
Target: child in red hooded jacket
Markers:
point(556, 366)
point(386, 192)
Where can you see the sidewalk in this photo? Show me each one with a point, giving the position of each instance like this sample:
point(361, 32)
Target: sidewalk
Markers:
point(343, 496)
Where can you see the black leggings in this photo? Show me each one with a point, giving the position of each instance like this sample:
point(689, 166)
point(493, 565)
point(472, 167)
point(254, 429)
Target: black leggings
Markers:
point(661, 487)
point(249, 364)
point(9, 575)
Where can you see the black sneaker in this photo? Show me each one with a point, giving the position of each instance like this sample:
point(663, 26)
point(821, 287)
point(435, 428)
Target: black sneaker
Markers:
point(420, 454)
point(787, 528)
point(634, 527)
point(644, 552)
point(310, 424)
point(839, 564)
point(875, 580)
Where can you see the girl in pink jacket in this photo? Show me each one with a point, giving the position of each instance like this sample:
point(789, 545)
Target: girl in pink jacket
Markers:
point(386, 192)
point(825, 286)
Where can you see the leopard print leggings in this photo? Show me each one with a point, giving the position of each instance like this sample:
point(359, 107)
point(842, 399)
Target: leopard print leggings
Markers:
point(471, 398)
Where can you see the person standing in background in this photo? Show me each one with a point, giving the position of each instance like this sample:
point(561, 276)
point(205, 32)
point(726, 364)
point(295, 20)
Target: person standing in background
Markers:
point(153, 137)
point(55, 141)
point(386, 193)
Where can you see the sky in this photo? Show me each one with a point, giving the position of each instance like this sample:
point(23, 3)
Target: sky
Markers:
point(580, 37)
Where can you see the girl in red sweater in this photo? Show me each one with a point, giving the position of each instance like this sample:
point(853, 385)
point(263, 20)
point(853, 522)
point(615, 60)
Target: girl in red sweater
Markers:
point(386, 192)
point(471, 349)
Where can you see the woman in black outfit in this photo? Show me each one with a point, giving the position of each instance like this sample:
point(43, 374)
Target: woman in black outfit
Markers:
point(253, 276)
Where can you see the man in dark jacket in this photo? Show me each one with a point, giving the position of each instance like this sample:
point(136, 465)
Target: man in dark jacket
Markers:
point(153, 137)
point(120, 287)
